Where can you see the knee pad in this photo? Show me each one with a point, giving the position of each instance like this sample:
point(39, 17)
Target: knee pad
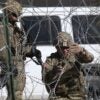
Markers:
point(19, 95)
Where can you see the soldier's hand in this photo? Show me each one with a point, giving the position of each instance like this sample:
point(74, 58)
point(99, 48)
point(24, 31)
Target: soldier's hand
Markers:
point(75, 48)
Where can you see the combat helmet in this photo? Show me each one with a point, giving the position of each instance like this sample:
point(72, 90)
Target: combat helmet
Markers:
point(63, 39)
point(13, 7)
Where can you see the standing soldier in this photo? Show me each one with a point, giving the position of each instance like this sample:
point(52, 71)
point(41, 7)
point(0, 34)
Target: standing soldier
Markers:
point(63, 75)
point(13, 9)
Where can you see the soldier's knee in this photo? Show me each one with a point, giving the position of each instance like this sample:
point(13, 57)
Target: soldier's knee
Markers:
point(18, 96)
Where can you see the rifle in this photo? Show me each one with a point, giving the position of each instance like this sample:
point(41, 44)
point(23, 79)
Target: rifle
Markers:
point(34, 52)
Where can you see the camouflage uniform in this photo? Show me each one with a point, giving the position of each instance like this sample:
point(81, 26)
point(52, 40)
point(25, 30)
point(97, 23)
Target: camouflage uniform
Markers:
point(17, 58)
point(16, 48)
point(63, 76)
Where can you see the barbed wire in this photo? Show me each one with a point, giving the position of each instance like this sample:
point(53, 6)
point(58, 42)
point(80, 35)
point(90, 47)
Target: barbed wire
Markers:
point(70, 13)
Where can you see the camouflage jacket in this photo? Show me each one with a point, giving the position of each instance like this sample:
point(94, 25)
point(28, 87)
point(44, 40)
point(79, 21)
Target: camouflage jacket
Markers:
point(14, 42)
point(65, 75)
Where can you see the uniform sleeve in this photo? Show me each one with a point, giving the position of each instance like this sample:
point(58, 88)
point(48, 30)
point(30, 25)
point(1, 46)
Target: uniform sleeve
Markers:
point(85, 57)
point(48, 65)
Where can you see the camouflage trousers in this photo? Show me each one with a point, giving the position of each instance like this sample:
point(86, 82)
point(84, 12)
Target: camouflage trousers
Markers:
point(19, 82)
point(69, 97)
point(65, 98)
